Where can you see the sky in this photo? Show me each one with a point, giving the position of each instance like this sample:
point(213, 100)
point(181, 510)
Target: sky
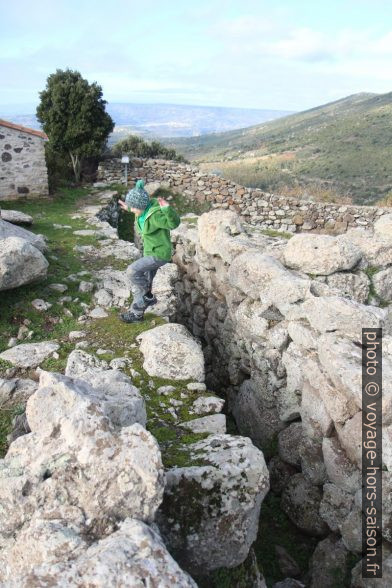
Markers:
point(283, 55)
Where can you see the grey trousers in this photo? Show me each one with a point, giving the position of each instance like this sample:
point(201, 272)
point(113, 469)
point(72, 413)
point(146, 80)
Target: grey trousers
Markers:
point(141, 274)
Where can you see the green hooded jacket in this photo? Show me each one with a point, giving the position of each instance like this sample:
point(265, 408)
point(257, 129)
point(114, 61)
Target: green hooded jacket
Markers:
point(156, 230)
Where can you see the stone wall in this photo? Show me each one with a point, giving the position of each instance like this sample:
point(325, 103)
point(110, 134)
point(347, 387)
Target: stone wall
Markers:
point(280, 322)
point(269, 211)
point(23, 170)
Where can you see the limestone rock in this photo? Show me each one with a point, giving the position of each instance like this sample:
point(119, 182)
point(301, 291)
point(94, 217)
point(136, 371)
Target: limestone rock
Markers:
point(345, 317)
point(134, 555)
point(74, 457)
point(351, 530)
point(113, 287)
point(98, 313)
point(20, 263)
point(289, 442)
point(321, 254)
point(316, 421)
point(339, 406)
point(342, 361)
point(205, 404)
point(163, 288)
point(16, 217)
point(264, 278)
point(254, 415)
point(301, 502)
point(171, 352)
point(382, 282)
point(385, 582)
point(40, 305)
point(340, 470)
point(214, 423)
point(249, 319)
point(302, 335)
point(121, 401)
point(209, 515)
point(311, 460)
point(376, 249)
point(328, 563)
point(350, 438)
point(335, 506)
point(29, 355)
point(16, 390)
point(221, 233)
point(8, 230)
point(383, 226)
point(354, 286)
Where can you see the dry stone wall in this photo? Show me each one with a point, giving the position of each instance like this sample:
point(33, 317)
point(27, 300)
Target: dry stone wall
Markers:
point(22, 164)
point(269, 211)
point(281, 330)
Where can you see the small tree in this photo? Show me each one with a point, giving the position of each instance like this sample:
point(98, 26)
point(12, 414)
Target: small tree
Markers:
point(72, 113)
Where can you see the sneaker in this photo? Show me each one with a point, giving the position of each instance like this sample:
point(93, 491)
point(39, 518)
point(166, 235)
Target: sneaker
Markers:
point(131, 317)
point(149, 299)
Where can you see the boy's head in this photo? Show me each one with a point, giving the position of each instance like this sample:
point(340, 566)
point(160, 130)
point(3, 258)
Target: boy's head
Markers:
point(137, 198)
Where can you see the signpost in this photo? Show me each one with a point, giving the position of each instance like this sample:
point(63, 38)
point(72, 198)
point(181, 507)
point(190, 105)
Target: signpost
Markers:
point(125, 160)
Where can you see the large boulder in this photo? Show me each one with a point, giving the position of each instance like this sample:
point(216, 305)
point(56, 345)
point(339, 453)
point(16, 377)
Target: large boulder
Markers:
point(29, 355)
point(383, 226)
point(16, 217)
point(301, 502)
point(221, 233)
point(171, 352)
point(376, 249)
point(342, 361)
point(9, 230)
point(113, 287)
point(340, 470)
point(262, 277)
point(55, 553)
point(345, 317)
point(209, 515)
point(163, 289)
point(75, 459)
point(321, 254)
point(328, 564)
point(255, 417)
point(20, 263)
point(382, 282)
point(354, 286)
point(121, 401)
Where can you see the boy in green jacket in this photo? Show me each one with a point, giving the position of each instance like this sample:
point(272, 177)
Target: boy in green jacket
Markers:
point(154, 220)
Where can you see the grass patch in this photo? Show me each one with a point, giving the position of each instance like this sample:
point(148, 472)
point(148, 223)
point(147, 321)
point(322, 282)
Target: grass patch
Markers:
point(275, 528)
point(273, 233)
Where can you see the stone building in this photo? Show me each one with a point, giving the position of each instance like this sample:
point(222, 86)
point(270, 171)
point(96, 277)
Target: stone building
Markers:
point(22, 162)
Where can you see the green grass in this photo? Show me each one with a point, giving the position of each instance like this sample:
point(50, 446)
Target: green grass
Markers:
point(275, 528)
point(273, 233)
point(112, 334)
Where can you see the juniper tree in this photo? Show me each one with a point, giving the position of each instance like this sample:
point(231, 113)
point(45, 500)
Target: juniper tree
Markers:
point(72, 113)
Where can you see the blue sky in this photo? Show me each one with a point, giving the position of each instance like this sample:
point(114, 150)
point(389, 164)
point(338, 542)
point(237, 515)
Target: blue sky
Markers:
point(286, 55)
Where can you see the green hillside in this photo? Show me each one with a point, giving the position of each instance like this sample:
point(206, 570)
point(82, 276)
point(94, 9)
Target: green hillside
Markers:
point(344, 146)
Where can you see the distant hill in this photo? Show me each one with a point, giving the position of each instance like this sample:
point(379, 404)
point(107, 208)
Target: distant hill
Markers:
point(167, 120)
point(345, 145)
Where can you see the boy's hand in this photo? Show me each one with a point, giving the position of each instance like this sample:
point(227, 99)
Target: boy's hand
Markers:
point(123, 205)
point(163, 202)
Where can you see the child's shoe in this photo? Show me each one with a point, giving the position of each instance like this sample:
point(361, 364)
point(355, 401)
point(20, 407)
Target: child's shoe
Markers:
point(131, 317)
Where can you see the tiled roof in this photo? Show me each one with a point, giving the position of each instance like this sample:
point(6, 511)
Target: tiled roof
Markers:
point(10, 125)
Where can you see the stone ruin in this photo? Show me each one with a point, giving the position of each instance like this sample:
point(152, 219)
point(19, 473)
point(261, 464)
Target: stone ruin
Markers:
point(274, 326)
